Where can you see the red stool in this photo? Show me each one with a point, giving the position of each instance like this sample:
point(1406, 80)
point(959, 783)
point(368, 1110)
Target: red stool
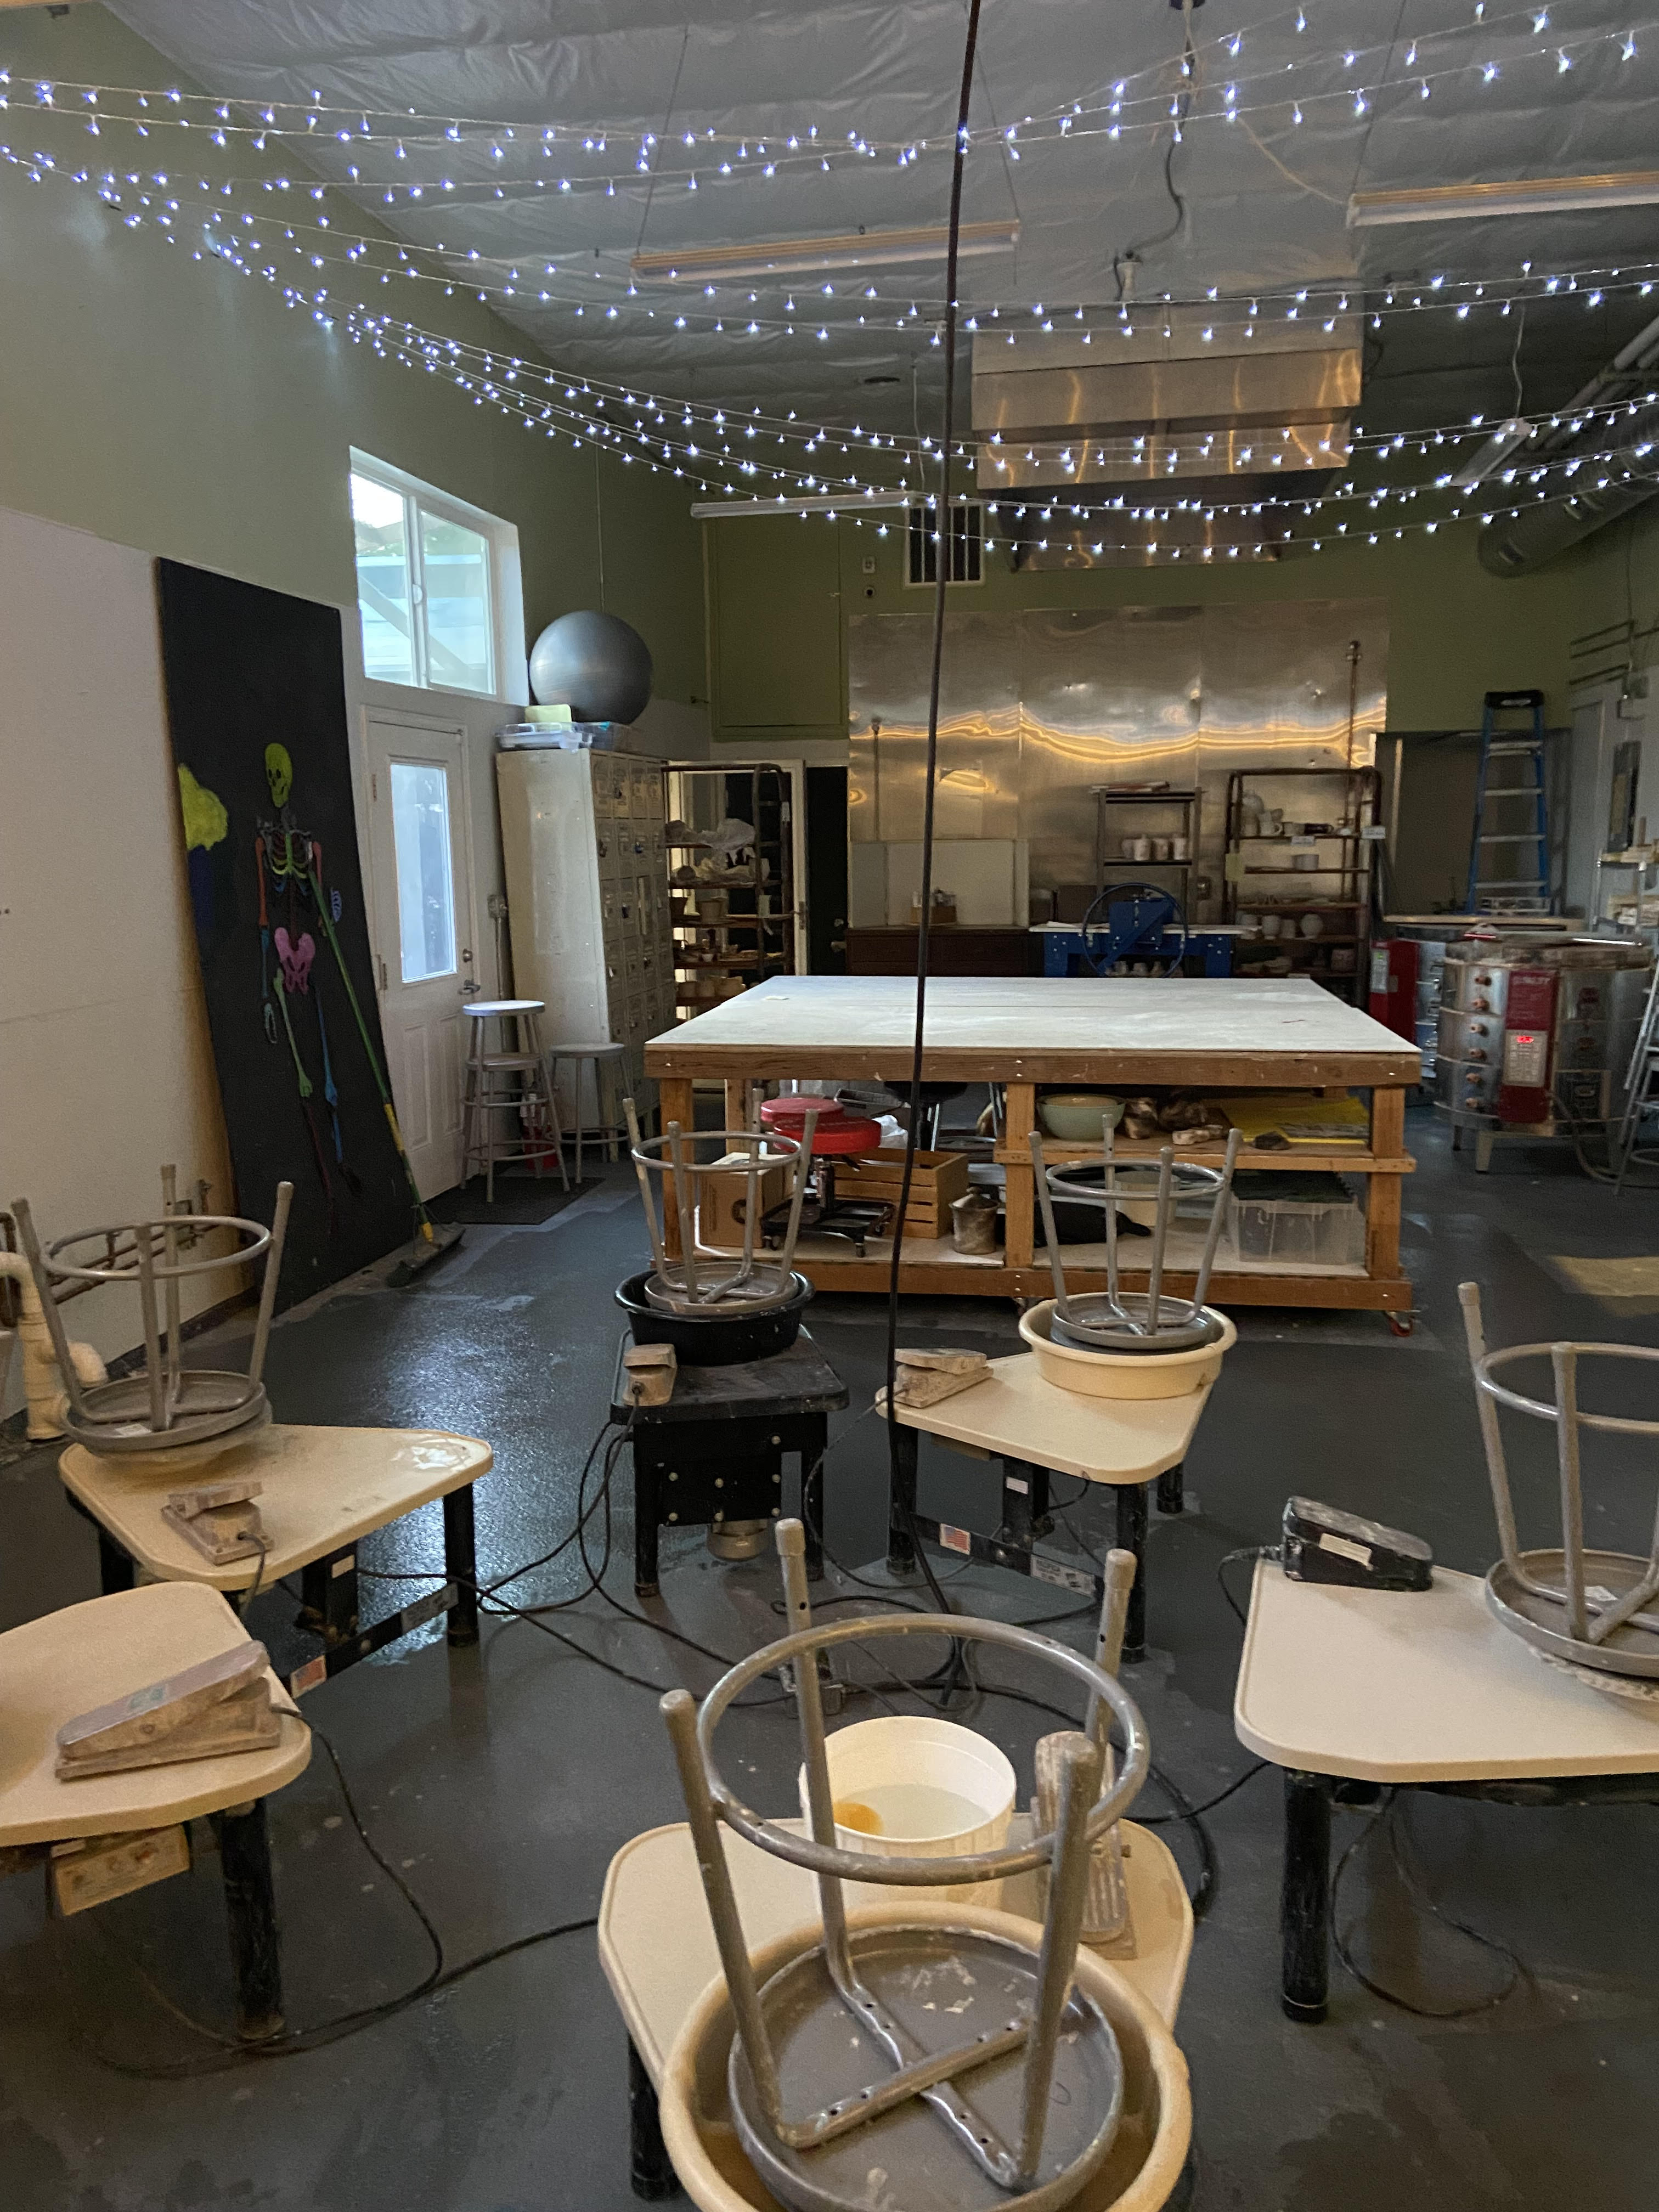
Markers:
point(838, 1134)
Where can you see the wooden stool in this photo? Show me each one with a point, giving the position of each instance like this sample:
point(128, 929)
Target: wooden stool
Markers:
point(607, 1060)
point(511, 1079)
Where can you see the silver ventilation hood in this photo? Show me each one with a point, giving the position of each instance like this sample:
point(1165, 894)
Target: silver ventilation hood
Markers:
point(1174, 411)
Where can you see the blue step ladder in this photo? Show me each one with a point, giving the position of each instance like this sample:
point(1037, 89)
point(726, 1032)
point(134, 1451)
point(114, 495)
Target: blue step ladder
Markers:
point(1520, 815)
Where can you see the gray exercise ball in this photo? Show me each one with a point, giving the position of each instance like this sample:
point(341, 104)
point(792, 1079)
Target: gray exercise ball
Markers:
point(596, 665)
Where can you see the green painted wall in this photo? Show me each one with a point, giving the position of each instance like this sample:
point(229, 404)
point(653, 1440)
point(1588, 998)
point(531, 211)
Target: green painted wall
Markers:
point(781, 591)
point(174, 405)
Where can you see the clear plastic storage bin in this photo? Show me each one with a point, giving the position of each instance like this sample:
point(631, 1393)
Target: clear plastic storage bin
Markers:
point(1297, 1220)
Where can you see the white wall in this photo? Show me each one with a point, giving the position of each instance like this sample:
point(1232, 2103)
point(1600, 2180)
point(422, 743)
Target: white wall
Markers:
point(105, 1068)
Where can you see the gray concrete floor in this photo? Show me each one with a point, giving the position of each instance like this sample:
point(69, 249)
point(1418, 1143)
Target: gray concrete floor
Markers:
point(500, 1781)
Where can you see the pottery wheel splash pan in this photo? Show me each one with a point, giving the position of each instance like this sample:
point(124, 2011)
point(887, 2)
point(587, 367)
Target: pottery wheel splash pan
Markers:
point(945, 1985)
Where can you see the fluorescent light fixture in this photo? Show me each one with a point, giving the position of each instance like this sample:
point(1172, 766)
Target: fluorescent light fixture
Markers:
point(1523, 196)
point(800, 257)
point(709, 510)
point(1492, 455)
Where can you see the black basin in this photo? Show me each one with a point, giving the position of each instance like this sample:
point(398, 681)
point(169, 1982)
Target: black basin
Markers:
point(720, 1340)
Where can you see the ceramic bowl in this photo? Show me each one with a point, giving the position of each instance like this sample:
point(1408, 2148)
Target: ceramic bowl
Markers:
point(1075, 1116)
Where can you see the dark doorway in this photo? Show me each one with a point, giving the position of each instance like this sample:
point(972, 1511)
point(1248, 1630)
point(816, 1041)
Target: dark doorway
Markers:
point(826, 870)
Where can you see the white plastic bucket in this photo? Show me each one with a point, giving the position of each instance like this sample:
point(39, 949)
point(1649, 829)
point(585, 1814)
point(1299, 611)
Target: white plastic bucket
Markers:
point(893, 1766)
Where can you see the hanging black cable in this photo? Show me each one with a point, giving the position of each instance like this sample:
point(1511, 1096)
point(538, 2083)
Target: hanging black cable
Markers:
point(941, 580)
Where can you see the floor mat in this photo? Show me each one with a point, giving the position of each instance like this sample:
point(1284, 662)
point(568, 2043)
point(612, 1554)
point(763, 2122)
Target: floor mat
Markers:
point(1630, 1285)
point(521, 1201)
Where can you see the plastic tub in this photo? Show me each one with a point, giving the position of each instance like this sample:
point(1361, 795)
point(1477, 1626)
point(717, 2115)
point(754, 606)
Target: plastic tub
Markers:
point(1124, 1375)
point(1148, 2152)
point(1307, 1220)
point(912, 1755)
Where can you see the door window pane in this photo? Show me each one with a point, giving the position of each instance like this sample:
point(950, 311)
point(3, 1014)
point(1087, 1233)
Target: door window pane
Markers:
point(426, 881)
point(383, 594)
point(455, 568)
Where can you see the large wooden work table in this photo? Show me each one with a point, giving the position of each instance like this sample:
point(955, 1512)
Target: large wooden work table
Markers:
point(1122, 1033)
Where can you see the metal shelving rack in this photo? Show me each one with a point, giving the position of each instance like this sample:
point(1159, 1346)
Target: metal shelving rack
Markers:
point(1349, 874)
point(738, 926)
point(1110, 795)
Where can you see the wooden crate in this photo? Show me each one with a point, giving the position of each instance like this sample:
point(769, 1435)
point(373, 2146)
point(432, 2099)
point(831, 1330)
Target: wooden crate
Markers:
point(722, 1198)
point(938, 1178)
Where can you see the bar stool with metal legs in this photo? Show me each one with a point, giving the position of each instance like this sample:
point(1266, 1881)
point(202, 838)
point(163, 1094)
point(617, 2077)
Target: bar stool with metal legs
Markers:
point(510, 1079)
point(608, 1089)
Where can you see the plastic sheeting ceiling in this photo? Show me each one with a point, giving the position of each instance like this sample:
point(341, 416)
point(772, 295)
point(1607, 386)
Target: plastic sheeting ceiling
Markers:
point(889, 72)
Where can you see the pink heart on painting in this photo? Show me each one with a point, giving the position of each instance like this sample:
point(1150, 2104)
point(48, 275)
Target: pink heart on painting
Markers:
point(297, 959)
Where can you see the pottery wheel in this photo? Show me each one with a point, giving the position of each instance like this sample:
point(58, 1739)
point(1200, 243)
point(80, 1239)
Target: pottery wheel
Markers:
point(1631, 1650)
point(946, 1986)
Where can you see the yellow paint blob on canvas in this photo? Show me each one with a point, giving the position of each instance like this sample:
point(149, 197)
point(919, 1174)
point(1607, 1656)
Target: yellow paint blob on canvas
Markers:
point(206, 821)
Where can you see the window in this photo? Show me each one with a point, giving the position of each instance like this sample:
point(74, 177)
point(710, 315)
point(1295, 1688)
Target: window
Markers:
point(435, 580)
point(967, 544)
point(426, 877)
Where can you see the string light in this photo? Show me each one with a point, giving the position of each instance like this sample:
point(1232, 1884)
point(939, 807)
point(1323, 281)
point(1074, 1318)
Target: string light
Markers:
point(1096, 113)
point(155, 199)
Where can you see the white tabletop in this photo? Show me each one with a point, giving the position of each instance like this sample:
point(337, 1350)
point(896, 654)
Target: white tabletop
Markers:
point(321, 1490)
point(66, 1664)
point(657, 1943)
point(1019, 1415)
point(1392, 1685)
point(1282, 1032)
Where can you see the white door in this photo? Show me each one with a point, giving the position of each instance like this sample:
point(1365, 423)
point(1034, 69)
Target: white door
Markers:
point(420, 854)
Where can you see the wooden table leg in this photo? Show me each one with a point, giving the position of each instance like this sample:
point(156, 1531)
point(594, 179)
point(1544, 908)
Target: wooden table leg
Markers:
point(251, 1902)
point(675, 1102)
point(1383, 1196)
point(1020, 1119)
point(737, 1091)
point(1304, 1896)
point(650, 2174)
point(1132, 1537)
point(461, 1565)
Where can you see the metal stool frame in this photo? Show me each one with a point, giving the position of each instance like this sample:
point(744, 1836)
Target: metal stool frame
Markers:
point(184, 1406)
point(1585, 1625)
point(1083, 1815)
point(679, 1283)
point(528, 1093)
point(1104, 1318)
point(605, 1057)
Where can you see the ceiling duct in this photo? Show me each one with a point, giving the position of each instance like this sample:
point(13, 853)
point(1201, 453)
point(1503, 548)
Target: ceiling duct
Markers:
point(1524, 538)
point(1226, 410)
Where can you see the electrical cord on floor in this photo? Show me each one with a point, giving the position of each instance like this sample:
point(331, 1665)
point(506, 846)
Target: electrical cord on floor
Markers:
point(1245, 1551)
point(1387, 1812)
point(293, 2042)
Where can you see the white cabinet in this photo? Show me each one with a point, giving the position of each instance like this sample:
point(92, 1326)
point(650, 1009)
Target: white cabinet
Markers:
point(587, 902)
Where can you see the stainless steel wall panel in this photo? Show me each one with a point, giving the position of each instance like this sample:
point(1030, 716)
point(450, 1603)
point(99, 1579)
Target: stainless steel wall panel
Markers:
point(1109, 697)
point(1038, 709)
point(977, 790)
